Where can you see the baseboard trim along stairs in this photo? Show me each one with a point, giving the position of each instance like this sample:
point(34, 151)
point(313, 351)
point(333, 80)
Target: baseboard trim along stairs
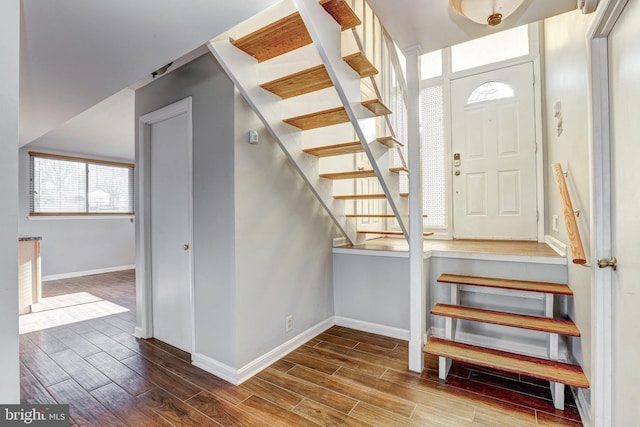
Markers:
point(558, 373)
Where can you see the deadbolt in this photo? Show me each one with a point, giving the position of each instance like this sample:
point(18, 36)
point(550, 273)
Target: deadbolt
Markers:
point(456, 159)
point(186, 246)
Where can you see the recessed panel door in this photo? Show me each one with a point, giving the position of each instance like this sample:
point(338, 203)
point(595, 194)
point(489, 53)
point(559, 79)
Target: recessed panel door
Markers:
point(494, 155)
point(170, 232)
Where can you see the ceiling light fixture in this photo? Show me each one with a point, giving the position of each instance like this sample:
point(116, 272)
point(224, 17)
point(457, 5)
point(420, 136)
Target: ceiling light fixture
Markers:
point(490, 12)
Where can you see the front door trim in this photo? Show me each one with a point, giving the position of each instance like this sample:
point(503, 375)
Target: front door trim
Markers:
point(601, 232)
point(144, 323)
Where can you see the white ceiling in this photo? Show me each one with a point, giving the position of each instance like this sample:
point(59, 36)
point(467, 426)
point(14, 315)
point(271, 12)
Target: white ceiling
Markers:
point(432, 24)
point(75, 54)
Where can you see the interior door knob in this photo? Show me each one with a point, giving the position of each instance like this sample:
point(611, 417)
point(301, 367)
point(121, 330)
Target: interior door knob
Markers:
point(186, 246)
point(457, 173)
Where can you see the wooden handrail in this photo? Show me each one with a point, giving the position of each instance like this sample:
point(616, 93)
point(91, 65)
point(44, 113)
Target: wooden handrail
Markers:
point(577, 251)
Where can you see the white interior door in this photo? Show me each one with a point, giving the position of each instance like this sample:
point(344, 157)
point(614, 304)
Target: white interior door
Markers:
point(494, 164)
point(624, 84)
point(171, 231)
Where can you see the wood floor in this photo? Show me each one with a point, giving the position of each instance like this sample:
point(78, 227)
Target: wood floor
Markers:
point(342, 377)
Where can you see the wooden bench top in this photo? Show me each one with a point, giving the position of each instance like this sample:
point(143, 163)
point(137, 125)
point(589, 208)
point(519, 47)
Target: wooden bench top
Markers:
point(544, 324)
point(549, 370)
point(520, 285)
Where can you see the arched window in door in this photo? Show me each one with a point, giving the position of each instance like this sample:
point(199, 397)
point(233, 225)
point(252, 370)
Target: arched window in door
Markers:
point(490, 91)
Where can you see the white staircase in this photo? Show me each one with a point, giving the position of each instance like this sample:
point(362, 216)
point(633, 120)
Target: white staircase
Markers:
point(319, 24)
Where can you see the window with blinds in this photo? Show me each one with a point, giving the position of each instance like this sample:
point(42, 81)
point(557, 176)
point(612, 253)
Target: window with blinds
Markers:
point(62, 185)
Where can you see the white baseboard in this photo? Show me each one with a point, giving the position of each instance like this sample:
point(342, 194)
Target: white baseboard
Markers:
point(374, 328)
point(87, 273)
point(556, 245)
point(216, 368)
point(238, 376)
point(138, 333)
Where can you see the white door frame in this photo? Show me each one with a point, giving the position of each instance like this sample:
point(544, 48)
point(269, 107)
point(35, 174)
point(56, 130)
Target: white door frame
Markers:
point(144, 327)
point(601, 232)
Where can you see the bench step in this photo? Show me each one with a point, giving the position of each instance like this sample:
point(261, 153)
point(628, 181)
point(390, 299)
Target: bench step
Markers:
point(519, 285)
point(545, 369)
point(544, 324)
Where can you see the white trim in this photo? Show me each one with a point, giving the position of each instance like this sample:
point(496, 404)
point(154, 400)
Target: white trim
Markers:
point(238, 376)
point(144, 328)
point(87, 272)
point(581, 397)
point(602, 389)
point(374, 328)
point(556, 245)
point(528, 259)
point(252, 368)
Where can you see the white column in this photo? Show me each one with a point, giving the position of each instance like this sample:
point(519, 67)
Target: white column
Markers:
point(417, 286)
point(9, 83)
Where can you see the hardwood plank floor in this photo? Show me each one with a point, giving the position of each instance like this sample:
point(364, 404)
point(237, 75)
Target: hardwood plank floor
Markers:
point(342, 377)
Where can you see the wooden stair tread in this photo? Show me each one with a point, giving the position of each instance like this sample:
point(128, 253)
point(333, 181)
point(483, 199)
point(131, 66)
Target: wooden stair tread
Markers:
point(519, 285)
point(319, 119)
point(367, 173)
point(275, 39)
point(365, 196)
point(389, 233)
point(549, 370)
point(336, 149)
point(332, 116)
point(341, 12)
point(305, 81)
point(544, 324)
point(390, 142)
point(376, 107)
point(316, 78)
point(361, 65)
point(398, 170)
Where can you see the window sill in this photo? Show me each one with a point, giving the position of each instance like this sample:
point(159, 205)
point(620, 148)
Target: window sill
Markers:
point(80, 217)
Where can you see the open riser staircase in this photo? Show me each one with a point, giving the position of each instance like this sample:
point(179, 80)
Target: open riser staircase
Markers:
point(335, 82)
point(551, 368)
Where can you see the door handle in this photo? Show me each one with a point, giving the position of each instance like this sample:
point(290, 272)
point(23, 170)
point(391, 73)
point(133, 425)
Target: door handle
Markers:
point(457, 173)
point(186, 246)
point(604, 263)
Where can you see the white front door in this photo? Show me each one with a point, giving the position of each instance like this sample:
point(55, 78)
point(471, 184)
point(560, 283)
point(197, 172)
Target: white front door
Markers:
point(170, 215)
point(624, 84)
point(494, 155)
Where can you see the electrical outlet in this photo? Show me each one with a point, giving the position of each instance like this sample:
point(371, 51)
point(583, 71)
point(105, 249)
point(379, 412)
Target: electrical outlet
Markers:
point(288, 323)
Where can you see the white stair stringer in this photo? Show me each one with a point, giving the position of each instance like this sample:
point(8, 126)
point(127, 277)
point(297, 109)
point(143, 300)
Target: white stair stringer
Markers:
point(326, 35)
point(242, 70)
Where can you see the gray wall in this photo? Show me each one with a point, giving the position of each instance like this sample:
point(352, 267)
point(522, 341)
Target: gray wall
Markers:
point(262, 244)
point(283, 244)
point(566, 80)
point(9, 78)
point(213, 165)
point(72, 246)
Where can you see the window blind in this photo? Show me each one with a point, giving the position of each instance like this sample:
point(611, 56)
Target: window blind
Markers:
point(63, 185)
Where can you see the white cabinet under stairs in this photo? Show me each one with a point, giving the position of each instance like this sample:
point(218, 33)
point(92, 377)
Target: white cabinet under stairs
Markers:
point(320, 23)
point(551, 369)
